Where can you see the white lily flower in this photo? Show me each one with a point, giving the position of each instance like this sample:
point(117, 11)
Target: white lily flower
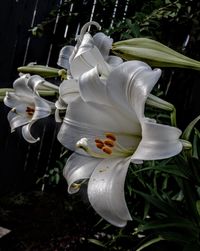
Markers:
point(27, 106)
point(88, 53)
point(107, 129)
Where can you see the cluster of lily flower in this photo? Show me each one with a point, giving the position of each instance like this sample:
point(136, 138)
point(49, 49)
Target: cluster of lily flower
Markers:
point(104, 124)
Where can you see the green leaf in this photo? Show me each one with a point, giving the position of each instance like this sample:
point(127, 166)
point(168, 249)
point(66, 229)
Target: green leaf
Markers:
point(198, 206)
point(195, 145)
point(57, 178)
point(190, 196)
point(171, 169)
point(177, 237)
point(96, 242)
point(194, 164)
point(158, 203)
point(169, 222)
point(150, 242)
point(187, 132)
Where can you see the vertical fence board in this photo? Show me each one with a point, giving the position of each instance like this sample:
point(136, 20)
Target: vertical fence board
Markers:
point(13, 33)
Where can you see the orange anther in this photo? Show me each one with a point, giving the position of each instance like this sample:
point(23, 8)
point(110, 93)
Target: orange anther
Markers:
point(100, 145)
point(109, 142)
point(98, 141)
point(110, 136)
point(107, 150)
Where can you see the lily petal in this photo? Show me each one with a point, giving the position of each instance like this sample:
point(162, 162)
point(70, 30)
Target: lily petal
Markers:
point(64, 55)
point(92, 88)
point(158, 142)
point(34, 81)
point(103, 43)
point(87, 57)
point(12, 100)
point(21, 88)
point(77, 169)
point(114, 61)
point(129, 86)
point(69, 90)
point(42, 108)
point(26, 133)
point(16, 120)
point(91, 120)
point(106, 190)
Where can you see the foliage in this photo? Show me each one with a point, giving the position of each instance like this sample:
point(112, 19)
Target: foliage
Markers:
point(160, 20)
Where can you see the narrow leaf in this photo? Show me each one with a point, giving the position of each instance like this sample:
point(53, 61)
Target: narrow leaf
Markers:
point(187, 132)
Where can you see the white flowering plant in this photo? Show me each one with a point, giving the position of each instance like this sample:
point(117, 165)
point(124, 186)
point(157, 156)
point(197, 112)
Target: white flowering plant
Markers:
point(141, 171)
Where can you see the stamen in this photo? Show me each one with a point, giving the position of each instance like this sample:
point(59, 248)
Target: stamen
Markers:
point(111, 136)
point(99, 143)
point(109, 147)
point(109, 142)
point(83, 144)
point(107, 150)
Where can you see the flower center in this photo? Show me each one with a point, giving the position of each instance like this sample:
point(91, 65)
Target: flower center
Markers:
point(106, 147)
point(30, 111)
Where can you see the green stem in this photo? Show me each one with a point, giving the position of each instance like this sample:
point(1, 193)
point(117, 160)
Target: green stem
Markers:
point(49, 85)
point(173, 117)
point(159, 103)
point(155, 240)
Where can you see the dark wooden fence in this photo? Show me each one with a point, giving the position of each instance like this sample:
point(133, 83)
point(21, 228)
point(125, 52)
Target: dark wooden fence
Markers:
point(22, 163)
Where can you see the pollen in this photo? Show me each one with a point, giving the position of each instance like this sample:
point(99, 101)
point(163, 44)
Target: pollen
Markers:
point(107, 150)
point(109, 142)
point(110, 136)
point(99, 143)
